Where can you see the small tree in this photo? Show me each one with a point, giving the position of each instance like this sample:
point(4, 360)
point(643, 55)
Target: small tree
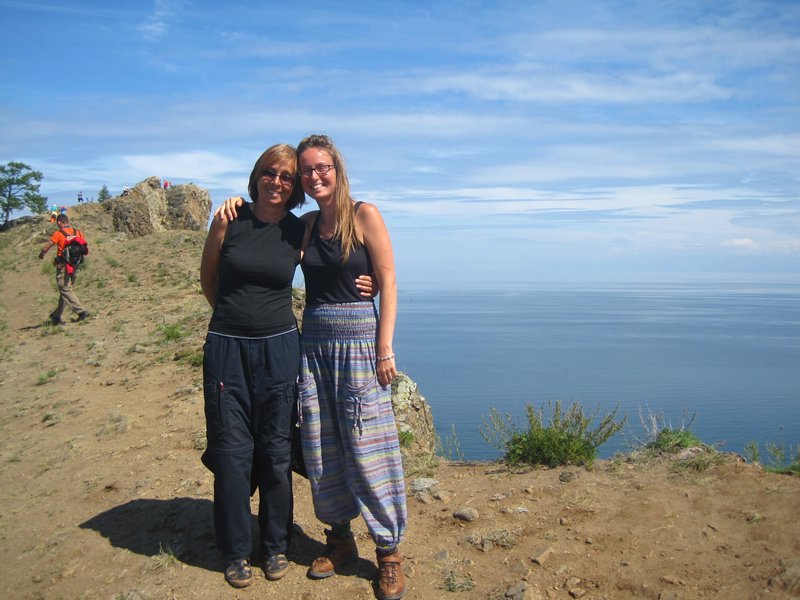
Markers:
point(19, 188)
point(103, 194)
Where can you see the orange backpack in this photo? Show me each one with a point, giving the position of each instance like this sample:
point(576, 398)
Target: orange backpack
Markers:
point(75, 249)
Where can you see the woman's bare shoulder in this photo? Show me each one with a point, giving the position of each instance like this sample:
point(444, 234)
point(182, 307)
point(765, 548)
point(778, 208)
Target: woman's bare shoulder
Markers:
point(368, 213)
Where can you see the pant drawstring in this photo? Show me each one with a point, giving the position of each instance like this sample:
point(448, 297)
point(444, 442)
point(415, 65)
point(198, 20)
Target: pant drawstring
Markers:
point(359, 422)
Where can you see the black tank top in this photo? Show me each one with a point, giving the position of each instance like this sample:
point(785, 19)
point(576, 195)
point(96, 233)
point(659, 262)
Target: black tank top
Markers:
point(328, 279)
point(256, 268)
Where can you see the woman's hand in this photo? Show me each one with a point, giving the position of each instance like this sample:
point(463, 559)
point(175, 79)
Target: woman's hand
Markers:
point(385, 369)
point(367, 285)
point(228, 211)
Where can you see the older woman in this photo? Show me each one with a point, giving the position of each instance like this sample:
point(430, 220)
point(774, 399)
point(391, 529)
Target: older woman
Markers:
point(251, 360)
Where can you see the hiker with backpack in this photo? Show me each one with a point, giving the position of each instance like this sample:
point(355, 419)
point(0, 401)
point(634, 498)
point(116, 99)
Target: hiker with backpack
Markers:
point(72, 247)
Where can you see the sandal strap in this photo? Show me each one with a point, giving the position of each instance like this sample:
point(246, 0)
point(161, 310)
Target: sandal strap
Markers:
point(279, 560)
point(239, 570)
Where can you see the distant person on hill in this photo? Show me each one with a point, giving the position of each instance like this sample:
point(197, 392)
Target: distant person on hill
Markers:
point(350, 441)
point(80, 197)
point(53, 213)
point(251, 363)
point(66, 271)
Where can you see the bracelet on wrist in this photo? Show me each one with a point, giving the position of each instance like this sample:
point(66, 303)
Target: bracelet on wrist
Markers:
point(382, 358)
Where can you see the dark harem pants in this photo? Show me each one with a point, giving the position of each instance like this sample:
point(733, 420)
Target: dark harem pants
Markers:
point(250, 389)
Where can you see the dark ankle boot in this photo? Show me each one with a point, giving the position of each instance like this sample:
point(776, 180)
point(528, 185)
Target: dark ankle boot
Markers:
point(391, 581)
point(339, 552)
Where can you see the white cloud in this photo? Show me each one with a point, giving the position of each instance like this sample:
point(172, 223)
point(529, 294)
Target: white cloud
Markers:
point(778, 144)
point(662, 48)
point(158, 22)
point(529, 83)
point(739, 244)
point(772, 247)
point(210, 168)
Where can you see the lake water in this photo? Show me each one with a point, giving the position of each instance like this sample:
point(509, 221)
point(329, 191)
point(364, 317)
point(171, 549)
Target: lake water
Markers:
point(727, 355)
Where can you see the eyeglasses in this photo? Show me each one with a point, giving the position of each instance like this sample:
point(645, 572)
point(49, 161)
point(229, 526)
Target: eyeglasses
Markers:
point(319, 170)
point(271, 174)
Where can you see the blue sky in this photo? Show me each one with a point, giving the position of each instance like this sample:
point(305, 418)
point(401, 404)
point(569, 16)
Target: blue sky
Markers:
point(502, 141)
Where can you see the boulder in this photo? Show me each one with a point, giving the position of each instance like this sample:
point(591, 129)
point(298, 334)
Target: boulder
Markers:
point(188, 207)
point(147, 208)
point(413, 416)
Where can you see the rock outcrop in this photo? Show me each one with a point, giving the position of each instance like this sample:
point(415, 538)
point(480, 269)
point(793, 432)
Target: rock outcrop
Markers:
point(413, 416)
point(147, 208)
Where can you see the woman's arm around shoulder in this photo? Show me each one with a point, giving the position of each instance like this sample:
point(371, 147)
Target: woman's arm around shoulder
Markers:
point(228, 209)
point(209, 263)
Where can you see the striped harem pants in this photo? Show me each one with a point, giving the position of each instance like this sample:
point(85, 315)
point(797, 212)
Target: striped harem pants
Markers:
point(348, 431)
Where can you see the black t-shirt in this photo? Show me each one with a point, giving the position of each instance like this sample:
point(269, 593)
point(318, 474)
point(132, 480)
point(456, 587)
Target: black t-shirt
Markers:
point(256, 268)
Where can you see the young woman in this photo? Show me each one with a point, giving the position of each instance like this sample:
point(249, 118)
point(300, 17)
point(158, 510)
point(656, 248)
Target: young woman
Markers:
point(349, 434)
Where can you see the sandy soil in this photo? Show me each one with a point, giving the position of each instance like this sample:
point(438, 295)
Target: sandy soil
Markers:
point(102, 494)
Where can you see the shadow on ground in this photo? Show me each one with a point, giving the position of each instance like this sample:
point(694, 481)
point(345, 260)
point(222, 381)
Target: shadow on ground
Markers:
point(185, 527)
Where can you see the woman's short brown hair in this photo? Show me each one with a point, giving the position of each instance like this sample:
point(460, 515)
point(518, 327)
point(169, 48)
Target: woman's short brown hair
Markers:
point(273, 154)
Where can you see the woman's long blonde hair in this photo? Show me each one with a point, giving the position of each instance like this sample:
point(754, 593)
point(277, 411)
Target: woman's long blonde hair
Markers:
point(345, 228)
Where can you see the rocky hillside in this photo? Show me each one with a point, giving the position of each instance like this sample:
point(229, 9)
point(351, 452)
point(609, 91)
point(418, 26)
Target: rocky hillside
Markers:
point(102, 494)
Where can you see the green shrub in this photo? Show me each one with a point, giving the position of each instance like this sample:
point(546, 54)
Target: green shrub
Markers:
point(782, 459)
point(406, 438)
point(191, 357)
point(46, 377)
point(173, 332)
point(455, 582)
point(752, 452)
point(674, 439)
point(567, 439)
point(661, 436)
point(450, 446)
point(51, 418)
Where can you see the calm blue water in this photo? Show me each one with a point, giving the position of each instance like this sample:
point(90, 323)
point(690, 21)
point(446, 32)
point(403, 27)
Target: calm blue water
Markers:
point(727, 354)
